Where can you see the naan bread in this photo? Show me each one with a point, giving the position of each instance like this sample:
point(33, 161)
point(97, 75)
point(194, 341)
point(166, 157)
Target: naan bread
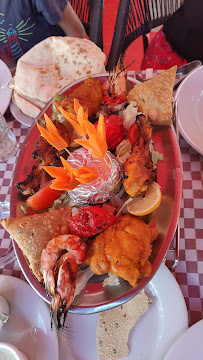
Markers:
point(29, 106)
point(33, 232)
point(51, 65)
point(154, 97)
point(114, 325)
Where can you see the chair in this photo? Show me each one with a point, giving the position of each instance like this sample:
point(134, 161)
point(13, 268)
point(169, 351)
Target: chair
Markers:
point(136, 18)
point(90, 13)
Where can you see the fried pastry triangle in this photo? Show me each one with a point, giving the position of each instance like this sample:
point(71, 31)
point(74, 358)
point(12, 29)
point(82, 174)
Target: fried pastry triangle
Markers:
point(154, 97)
point(33, 232)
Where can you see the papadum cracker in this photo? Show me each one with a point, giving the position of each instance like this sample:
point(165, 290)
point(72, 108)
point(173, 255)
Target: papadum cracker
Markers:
point(114, 325)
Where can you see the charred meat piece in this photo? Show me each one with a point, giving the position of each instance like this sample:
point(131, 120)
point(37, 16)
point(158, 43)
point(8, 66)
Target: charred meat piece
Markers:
point(45, 154)
point(31, 185)
point(138, 169)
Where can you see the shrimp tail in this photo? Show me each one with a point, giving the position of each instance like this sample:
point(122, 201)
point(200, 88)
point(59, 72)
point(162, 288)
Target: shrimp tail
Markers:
point(65, 288)
point(60, 272)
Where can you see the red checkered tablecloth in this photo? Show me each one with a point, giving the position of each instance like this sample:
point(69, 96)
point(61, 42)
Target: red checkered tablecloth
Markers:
point(189, 271)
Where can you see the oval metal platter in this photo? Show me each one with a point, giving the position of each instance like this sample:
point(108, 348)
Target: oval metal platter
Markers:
point(95, 298)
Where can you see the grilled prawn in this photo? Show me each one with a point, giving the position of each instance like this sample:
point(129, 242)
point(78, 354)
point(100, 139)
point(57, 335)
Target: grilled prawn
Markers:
point(114, 89)
point(59, 271)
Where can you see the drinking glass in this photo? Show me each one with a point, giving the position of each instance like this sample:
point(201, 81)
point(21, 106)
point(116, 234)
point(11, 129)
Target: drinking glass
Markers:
point(9, 256)
point(8, 147)
point(8, 142)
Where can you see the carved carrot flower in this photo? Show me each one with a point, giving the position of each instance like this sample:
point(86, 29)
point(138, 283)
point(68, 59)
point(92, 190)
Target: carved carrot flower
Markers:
point(67, 178)
point(52, 135)
point(85, 174)
point(77, 121)
point(64, 176)
point(96, 143)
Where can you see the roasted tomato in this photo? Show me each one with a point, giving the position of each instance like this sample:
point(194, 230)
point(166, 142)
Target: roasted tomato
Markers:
point(43, 198)
point(90, 220)
point(115, 131)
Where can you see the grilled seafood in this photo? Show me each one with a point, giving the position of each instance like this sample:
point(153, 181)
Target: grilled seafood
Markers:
point(65, 287)
point(138, 169)
point(114, 89)
point(45, 154)
point(60, 270)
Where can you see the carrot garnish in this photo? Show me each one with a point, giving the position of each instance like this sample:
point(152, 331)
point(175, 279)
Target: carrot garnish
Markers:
point(77, 121)
point(96, 143)
point(85, 174)
point(52, 135)
point(76, 105)
point(67, 178)
point(64, 177)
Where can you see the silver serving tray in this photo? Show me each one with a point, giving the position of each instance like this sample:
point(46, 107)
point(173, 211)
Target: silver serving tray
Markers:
point(95, 298)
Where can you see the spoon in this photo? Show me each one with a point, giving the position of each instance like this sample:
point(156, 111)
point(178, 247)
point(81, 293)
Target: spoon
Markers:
point(182, 70)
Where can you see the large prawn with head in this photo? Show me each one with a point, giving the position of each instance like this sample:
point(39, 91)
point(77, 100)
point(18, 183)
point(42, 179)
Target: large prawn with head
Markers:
point(60, 261)
point(114, 89)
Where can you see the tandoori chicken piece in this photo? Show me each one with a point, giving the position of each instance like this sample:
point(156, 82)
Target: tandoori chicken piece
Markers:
point(45, 154)
point(124, 249)
point(138, 169)
point(88, 94)
point(32, 183)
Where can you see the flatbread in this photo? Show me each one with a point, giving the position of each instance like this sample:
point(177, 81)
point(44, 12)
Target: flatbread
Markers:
point(114, 325)
point(29, 106)
point(154, 97)
point(33, 232)
point(53, 64)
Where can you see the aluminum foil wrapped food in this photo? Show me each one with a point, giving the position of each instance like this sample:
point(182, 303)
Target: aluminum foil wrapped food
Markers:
point(105, 186)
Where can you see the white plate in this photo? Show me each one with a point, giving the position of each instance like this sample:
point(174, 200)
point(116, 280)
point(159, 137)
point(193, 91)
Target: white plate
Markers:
point(190, 109)
point(18, 115)
point(189, 345)
point(5, 92)
point(29, 325)
point(151, 337)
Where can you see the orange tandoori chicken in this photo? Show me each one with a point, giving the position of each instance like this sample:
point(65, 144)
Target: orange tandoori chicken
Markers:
point(124, 249)
point(138, 169)
point(88, 94)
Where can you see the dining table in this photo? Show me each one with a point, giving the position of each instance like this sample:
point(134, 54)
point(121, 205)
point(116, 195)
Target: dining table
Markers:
point(189, 270)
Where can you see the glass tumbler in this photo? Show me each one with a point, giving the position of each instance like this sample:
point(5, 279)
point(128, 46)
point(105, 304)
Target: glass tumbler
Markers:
point(8, 147)
point(8, 142)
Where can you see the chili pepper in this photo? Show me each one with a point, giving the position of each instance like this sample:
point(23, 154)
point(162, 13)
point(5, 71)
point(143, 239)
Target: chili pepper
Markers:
point(90, 220)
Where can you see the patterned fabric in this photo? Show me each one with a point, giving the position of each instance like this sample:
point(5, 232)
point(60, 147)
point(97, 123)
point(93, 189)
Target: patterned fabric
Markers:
point(24, 23)
point(160, 55)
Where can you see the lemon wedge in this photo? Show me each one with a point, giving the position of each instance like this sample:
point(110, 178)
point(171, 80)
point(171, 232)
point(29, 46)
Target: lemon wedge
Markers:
point(141, 206)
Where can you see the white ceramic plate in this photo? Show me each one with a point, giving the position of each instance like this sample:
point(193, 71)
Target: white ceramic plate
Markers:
point(29, 325)
point(190, 109)
point(151, 337)
point(19, 116)
point(189, 345)
point(5, 92)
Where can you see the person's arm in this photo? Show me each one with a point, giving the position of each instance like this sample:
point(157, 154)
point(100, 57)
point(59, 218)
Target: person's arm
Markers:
point(71, 24)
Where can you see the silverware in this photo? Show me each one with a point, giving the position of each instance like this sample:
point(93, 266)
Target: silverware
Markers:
point(182, 71)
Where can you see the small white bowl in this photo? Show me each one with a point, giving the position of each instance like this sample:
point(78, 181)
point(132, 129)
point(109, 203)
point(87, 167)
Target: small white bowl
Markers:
point(10, 352)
